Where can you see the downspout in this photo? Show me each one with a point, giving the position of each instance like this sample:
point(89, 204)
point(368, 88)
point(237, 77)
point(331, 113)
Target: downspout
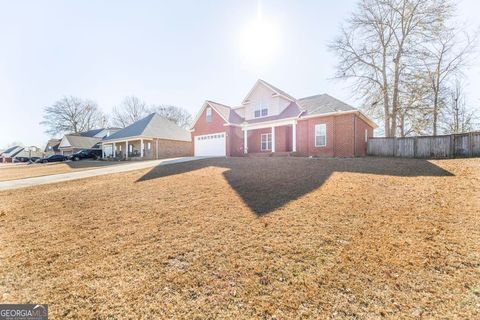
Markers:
point(334, 134)
point(354, 135)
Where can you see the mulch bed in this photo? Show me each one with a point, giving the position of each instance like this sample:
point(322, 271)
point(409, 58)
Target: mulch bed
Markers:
point(250, 238)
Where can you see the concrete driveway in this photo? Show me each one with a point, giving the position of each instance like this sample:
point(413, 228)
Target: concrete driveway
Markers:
point(128, 166)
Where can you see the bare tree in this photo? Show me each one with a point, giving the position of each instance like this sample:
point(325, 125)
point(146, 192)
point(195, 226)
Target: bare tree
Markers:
point(176, 114)
point(377, 48)
point(445, 57)
point(72, 115)
point(456, 117)
point(131, 109)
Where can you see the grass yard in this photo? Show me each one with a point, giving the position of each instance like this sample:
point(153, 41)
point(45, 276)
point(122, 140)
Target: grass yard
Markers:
point(15, 172)
point(250, 238)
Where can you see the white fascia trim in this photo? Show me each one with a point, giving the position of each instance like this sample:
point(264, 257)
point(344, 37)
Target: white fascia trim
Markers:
point(259, 81)
point(205, 104)
point(128, 139)
point(361, 114)
point(269, 124)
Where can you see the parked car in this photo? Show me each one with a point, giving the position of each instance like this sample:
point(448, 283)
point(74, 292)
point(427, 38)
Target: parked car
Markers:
point(86, 154)
point(52, 158)
point(21, 159)
point(34, 159)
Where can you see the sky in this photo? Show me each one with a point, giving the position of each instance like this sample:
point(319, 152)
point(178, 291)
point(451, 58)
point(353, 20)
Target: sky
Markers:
point(167, 52)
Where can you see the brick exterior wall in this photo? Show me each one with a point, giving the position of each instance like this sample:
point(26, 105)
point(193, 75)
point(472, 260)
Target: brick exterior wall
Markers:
point(360, 143)
point(172, 148)
point(345, 136)
point(234, 134)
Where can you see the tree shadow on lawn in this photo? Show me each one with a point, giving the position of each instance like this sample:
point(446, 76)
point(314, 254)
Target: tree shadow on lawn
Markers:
point(266, 184)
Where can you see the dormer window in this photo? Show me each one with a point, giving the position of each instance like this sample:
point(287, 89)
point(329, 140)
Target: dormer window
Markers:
point(261, 112)
point(208, 115)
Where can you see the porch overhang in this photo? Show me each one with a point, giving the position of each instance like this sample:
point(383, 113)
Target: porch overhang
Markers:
point(269, 124)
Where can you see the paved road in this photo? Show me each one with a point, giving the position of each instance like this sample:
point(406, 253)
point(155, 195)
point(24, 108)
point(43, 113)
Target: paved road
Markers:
point(130, 166)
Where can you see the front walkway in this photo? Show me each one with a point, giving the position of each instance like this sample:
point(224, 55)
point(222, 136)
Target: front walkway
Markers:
point(130, 166)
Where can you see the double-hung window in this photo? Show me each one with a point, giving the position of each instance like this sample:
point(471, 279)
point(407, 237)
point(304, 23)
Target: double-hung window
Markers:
point(320, 135)
point(266, 141)
point(261, 112)
point(208, 115)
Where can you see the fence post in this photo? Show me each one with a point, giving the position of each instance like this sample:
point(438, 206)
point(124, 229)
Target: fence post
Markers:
point(452, 145)
point(394, 141)
point(470, 144)
point(415, 144)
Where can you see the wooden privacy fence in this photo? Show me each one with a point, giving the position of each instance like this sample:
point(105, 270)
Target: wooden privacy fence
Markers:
point(445, 146)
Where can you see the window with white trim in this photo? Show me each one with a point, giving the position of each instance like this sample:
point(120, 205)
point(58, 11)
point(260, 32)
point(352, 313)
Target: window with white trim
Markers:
point(208, 114)
point(149, 145)
point(320, 135)
point(266, 141)
point(261, 111)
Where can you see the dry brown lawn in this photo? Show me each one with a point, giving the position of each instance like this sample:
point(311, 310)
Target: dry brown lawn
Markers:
point(250, 238)
point(15, 172)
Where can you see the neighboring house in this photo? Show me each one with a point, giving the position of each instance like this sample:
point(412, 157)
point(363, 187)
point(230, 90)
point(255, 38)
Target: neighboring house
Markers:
point(7, 155)
point(271, 121)
point(152, 137)
point(52, 147)
point(29, 152)
point(88, 140)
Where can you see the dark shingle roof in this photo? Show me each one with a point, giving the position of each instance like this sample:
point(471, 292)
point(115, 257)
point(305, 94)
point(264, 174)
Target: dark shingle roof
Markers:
point(322, 103)
point(12, 151)
point(292, 110)
point(154, 126)
point(226, 112)
point(54, 143)
point(91, 133)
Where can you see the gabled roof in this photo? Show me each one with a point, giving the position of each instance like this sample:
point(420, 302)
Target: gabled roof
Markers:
point(154, 126)
point(54, 143)
point(323, 103)
point(11, 152)
point(91, 133)
point(80, 142)
point(29, 153)
point(271, 87)
point(227, 113)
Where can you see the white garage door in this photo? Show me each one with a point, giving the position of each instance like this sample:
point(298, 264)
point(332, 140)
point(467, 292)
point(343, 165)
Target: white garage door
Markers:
point(210, 145)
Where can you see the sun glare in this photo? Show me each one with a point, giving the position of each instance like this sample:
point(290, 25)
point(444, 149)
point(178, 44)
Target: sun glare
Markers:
point(259, 41)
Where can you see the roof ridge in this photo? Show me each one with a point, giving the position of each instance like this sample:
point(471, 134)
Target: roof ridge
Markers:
point(315, 95)
point(219, 104)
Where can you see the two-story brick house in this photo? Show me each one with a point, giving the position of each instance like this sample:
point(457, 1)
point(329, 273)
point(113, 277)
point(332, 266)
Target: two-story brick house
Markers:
point(271, 121)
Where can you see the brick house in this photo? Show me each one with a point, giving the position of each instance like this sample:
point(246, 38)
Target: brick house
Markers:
point(270, 121)
point(152, 137)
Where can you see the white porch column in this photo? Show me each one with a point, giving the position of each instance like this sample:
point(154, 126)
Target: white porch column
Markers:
point(141, 148)
point(114, 150)
point(126, 149)
point(273, 139)
point(294, 137)
point(103, 152)
point(245, 141)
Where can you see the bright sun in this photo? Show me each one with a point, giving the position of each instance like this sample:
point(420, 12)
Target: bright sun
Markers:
point(259, 41)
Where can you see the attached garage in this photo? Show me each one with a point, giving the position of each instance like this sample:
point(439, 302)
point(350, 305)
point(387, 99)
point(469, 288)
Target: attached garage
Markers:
point(211, 145)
